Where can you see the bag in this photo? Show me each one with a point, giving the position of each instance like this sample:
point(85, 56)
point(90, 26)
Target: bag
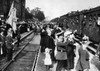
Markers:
point(95, 61)
point(60, 55)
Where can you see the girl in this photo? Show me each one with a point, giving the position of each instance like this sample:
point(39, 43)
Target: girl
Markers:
point(47, 59)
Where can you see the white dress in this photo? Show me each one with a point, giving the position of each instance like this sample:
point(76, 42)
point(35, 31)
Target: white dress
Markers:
point(47, 60)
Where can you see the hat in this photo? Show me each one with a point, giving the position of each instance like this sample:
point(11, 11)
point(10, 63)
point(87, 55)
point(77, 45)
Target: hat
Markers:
point(85, 38)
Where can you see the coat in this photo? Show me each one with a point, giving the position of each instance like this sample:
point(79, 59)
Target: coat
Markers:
point(83, 61)
point(50, 42)
point(43, 41)
point(70, 55)
point(9, 41)
point(51, 45)
point(61, 51)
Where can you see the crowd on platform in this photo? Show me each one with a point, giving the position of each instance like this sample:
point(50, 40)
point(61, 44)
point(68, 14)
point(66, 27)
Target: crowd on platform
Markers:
point(7, 39)
point(59, 47)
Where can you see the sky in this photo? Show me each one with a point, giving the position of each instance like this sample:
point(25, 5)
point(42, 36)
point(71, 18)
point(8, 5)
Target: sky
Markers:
point(57, 8)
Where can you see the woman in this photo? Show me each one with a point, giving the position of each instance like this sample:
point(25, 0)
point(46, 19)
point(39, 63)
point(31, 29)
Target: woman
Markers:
point(83, 61)
point(50, 43)
point(43, 41)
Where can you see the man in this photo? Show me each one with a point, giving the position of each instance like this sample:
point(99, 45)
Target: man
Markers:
point(4, 49)
point(98, 51)
point(55, 30)
point(70, 54)
point(9, 44)
point(61, 55)
point(18, 36)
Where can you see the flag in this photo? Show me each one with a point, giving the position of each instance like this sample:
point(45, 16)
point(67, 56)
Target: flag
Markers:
point(10, 11)
point(12, 19)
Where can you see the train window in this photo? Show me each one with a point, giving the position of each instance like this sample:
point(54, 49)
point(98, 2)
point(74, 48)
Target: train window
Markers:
point(98, 21)
point(98, 15)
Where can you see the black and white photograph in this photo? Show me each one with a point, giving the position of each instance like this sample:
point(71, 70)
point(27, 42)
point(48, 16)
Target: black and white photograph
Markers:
point(49, 35)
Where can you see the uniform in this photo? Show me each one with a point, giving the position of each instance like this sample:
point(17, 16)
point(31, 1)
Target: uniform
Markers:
point(70, 55)
point(9, 45)
point(61, 55)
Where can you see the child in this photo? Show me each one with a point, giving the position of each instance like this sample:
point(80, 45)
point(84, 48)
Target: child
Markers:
point(47, 59)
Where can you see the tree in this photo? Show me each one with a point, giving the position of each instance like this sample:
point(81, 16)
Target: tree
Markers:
point(37, 13)
point(28, 15)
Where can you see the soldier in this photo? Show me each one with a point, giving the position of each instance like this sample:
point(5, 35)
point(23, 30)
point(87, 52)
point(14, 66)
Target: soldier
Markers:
point(4, 48)
point(61, 55)
point(9, 44)
point(70, 54)
point(18, 36)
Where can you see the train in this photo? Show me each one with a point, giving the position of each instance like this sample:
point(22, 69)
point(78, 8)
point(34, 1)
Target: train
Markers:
point(85, 22)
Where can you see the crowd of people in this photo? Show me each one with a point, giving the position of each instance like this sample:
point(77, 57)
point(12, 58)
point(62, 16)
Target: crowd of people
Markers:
point(59, 47)
point(87, 24)
point(8, 37)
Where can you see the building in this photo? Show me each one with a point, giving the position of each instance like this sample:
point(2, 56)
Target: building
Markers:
point(5, 7)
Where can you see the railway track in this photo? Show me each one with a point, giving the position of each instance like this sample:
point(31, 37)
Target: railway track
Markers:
point(26, 56)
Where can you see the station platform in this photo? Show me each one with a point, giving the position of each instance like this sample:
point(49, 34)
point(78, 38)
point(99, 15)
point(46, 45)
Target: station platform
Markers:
point(41, 67)
point(40, 64)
